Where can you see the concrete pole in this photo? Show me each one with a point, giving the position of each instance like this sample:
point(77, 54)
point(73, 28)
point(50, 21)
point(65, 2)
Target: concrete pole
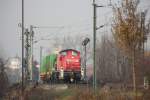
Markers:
point(22, 46)
point(85, 76)
point(94, 46)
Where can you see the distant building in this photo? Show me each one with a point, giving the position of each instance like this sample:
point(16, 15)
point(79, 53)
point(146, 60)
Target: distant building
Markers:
point(13, 63)
point(13, 70)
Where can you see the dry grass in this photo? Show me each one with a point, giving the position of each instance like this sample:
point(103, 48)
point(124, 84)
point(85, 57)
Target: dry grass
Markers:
point(101, 95)
point(76, 93)
point(107, 95)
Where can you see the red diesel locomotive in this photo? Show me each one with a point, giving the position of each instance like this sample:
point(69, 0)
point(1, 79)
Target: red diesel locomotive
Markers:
point(69, 65)
point(66, 65)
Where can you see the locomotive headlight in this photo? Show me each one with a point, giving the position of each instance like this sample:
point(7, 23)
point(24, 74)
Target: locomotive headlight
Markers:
point(82, 72)
point(61, 73)
point(77, 60)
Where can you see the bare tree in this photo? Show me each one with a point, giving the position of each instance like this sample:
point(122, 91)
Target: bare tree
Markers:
point(130, 31)
point(112, 65)
point(68, 42)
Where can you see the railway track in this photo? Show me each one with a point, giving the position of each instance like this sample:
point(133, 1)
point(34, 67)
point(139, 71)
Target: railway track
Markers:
point(62, 85)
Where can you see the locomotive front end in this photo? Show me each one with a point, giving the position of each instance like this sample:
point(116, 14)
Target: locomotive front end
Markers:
point(69, 65)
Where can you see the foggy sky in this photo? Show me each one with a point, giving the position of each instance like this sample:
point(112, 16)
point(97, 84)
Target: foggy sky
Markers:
point(74, 15)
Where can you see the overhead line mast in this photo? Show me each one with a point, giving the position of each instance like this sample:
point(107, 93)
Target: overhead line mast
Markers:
point(94, 40)
point(22, 46)
point(94, 45)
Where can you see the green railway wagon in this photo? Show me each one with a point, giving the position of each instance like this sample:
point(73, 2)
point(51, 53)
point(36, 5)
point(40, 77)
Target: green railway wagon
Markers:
point(47, 66)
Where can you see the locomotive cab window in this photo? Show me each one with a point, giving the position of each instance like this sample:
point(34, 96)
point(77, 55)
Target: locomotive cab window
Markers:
point(64, 53)
point(74, 53)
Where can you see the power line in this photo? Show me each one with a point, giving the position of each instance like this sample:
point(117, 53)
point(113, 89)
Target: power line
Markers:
point(48, 27)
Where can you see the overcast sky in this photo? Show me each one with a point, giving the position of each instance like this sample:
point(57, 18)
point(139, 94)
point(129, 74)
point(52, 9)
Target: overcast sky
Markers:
point(74, 15)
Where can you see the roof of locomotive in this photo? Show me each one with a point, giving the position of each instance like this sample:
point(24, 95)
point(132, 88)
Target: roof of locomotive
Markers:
point(68, 50)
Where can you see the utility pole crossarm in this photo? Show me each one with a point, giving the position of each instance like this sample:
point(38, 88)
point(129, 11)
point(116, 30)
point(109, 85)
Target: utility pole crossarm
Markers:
point(100, 27)
point(100, 6)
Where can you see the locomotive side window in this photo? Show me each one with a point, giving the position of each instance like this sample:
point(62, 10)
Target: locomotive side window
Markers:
point(74, 53)
point(64, 53)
